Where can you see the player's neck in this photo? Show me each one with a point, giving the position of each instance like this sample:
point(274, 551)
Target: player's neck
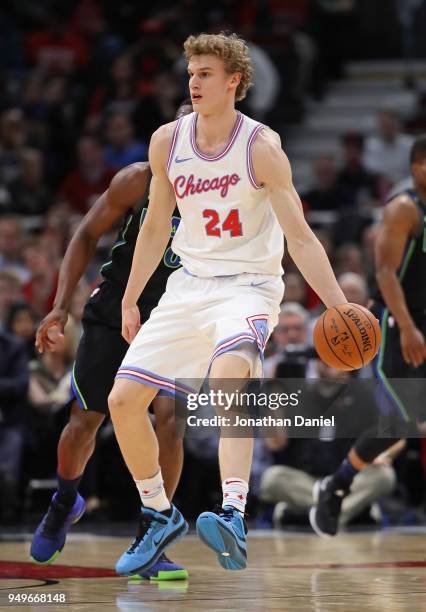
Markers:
point(215, 129)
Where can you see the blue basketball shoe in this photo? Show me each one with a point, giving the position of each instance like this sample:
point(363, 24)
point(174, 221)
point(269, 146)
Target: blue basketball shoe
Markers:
point(50, 535)
point(224, 530)
point(157, 530)
point(163, 569)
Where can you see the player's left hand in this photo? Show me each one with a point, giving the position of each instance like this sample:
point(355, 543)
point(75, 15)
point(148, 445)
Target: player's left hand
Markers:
point(413, 346)
point(130, 322)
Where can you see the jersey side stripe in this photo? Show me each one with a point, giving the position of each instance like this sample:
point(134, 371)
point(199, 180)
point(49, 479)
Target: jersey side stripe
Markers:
point(250, 170)
point(173, 145)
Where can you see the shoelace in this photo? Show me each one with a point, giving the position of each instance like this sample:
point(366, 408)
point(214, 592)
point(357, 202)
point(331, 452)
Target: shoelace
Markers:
point(55, 518)
point(227, 515)
point(145, 525)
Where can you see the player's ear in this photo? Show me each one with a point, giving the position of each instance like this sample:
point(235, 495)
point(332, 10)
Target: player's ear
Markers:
point(235, 79)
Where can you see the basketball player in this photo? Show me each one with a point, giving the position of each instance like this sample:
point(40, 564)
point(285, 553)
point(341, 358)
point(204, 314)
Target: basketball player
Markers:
point(401, 306)
point(233, 186)
point(101, 351)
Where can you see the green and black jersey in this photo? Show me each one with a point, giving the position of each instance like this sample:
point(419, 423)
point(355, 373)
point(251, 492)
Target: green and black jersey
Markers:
point(104, 307)
point(412, 271)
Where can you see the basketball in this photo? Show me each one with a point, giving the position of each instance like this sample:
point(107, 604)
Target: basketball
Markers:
point(347, 336)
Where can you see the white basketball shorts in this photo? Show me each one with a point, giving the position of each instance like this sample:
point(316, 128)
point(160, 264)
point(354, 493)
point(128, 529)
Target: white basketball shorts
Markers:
point(198, 319)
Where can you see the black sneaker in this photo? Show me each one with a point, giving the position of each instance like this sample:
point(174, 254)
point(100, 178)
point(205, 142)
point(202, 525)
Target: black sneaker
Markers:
point(324, 515)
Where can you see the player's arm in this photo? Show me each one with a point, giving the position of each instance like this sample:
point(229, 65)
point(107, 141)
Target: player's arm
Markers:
point(126, 188)
point(154, 233)
point(272, 169)
point(400, 222)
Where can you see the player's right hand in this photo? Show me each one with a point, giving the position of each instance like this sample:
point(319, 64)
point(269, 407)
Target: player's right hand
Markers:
point(50, 332)
point(413, 346)
point(130, 322)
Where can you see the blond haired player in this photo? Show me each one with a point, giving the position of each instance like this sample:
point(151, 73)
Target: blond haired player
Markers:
point(233, 186)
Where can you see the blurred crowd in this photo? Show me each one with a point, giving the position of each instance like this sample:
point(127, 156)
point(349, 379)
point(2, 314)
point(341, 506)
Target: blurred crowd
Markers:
point(84, 85)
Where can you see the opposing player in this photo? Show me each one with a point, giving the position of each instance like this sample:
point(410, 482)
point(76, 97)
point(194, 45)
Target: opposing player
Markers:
point(233, 186)
point(101, 351)
point(401, 306)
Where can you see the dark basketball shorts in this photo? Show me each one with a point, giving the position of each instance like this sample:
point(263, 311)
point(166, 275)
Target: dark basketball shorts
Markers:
point(402, 386)
point(101, 349)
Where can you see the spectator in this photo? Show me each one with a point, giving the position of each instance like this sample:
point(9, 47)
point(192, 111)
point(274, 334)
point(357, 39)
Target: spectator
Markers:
point(295, 288)
point(122, 149)
point(50, 378)
point(40, 289)
point(289, 484)
point(388, 152)
point(354, 287)
point(11, 245)
point(353, 177)
point(349, 259)
point(158, 105)
point(57, 49)
point(289, 343)
point(13, 391)
point(20, 321)
point(30, 196)
point(326, 193)
point(119, 95)
point(13, 138)
point(83, 186)
point(266, 83)
point(10, 292)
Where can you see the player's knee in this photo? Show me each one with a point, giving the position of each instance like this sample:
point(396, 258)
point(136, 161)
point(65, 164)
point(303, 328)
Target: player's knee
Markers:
point(268, 482)
point(385, 479)
point(117, 400)
point(83, 425)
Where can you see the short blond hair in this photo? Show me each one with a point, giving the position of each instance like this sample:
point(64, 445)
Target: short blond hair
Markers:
point(230, 48)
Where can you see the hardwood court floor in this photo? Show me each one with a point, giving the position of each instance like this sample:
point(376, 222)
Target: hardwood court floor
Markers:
point(383, 571)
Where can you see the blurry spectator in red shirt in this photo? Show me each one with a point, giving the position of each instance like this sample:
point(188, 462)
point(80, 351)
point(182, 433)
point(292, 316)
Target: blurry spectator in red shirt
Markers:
point(83, 186)
point(57, 48)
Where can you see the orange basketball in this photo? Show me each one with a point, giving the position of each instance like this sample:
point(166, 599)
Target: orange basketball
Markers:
point(347, 336)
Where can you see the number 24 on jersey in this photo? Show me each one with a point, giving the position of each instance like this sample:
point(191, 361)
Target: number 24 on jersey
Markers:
point(230, 224)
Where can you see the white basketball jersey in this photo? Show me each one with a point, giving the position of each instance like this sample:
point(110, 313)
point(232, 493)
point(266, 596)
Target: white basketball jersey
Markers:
point(228, 225)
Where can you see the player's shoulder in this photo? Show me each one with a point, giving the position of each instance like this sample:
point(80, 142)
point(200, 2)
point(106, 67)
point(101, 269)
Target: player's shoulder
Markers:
point(129, 184)
point(266, 143)
point(401, 202)
point(135, 173)
point(401, 211)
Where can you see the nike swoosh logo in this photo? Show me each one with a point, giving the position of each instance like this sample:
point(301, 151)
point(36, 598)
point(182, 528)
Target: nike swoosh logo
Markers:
point(180, 161)
point(157, 542)
point(227, 482)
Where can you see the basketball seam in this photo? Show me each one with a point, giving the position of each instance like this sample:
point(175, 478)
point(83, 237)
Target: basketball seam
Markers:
point(350, 331)
point(375, 335)
point(328, 343)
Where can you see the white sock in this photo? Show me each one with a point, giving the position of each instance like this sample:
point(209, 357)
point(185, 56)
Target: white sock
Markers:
point(152, 492)
point(235, 493)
